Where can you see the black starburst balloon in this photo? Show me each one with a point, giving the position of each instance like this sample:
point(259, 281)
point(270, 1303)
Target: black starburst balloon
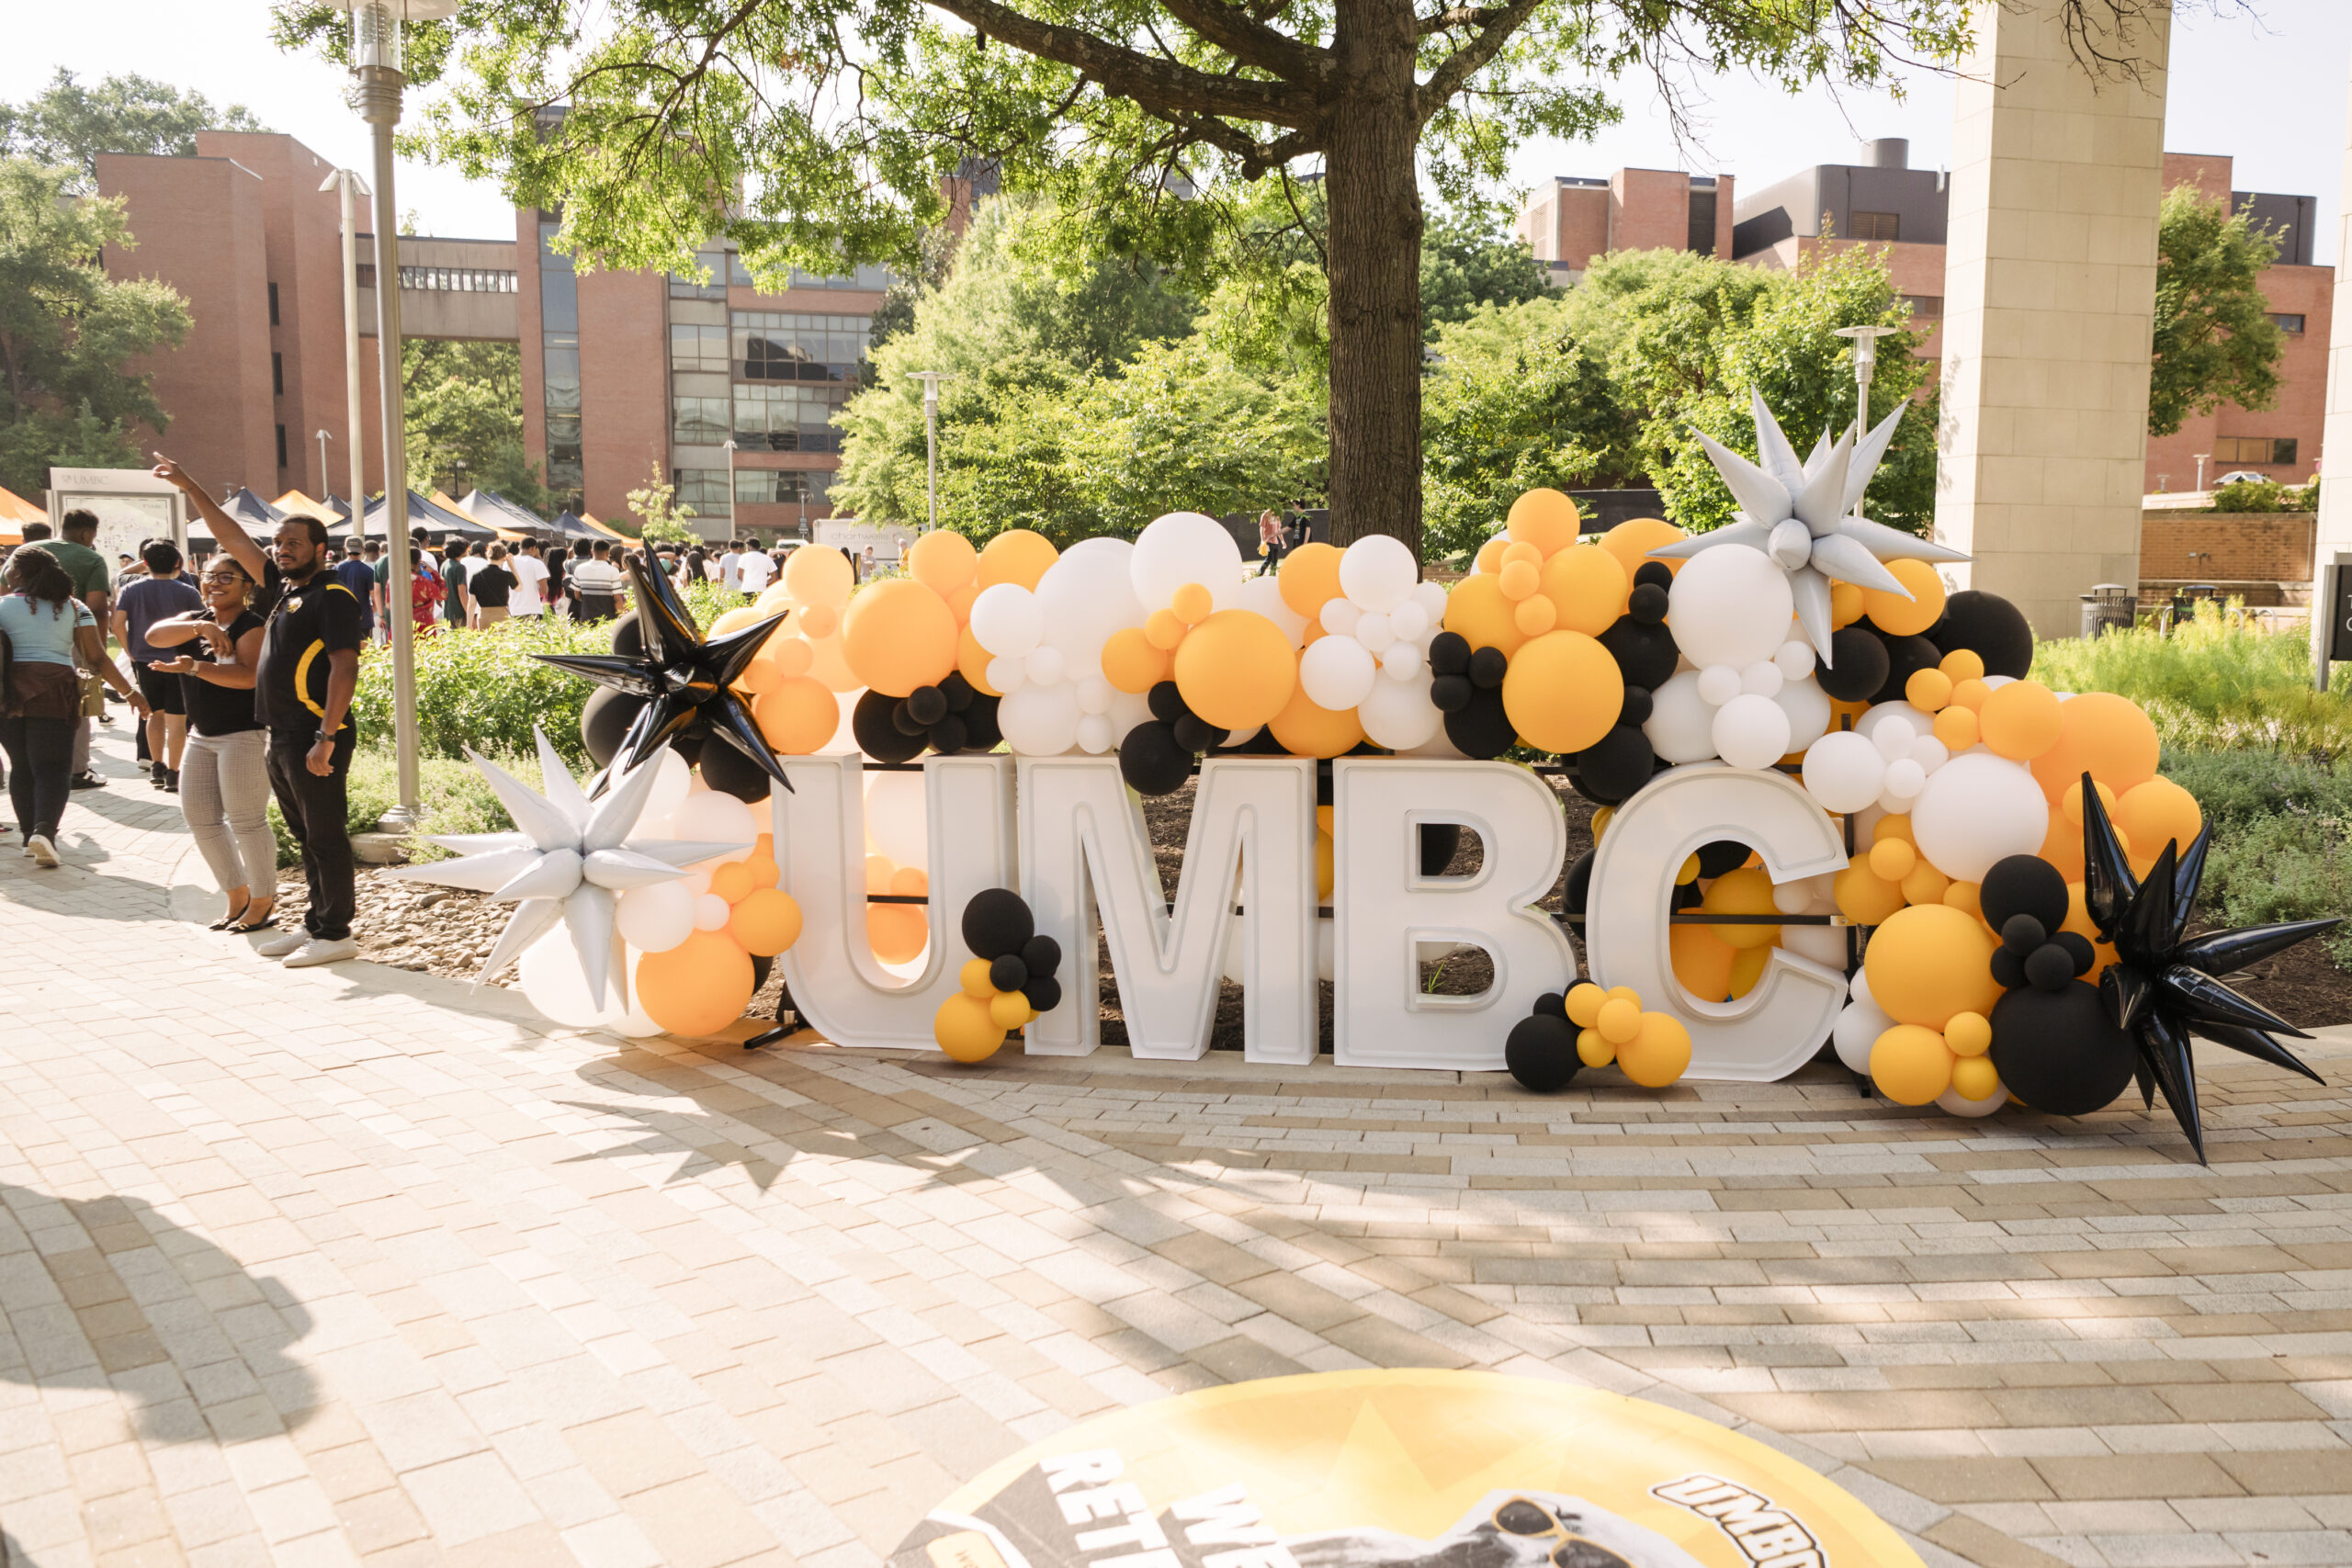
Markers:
point(681, 675)
point(2162, 989)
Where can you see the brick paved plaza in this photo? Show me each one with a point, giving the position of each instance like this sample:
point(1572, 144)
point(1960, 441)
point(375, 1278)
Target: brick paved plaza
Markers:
point(351, 1264)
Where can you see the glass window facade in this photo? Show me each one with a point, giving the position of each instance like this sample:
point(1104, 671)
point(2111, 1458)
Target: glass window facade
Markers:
point(457, 279)
point(798, 346)
point(704, 490)
point(697, 347)
point(875, 279)
point(699, 422)
point(785, 485)
point(559, 346)
point(796, 417)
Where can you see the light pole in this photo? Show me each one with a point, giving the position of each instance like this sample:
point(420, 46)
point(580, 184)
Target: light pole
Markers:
point(324, 483)
point(931, 380)
point(376, 61)
point(728, 445)
point(1865, 341)
point(350, 187)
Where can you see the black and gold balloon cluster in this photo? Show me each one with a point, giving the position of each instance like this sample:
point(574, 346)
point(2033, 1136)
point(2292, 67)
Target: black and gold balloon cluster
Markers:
point(948, 717)
point(1007, 983)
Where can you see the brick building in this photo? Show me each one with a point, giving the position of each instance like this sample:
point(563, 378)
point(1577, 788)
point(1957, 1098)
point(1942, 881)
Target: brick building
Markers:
point(1569, 220)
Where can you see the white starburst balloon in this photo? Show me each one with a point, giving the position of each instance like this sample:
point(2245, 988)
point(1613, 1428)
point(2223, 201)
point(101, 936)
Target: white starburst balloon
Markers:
point(569, 862)
point(1802, 514)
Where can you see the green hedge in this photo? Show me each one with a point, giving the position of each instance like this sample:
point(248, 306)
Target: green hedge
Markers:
point(2217, 683)
point(452, 797)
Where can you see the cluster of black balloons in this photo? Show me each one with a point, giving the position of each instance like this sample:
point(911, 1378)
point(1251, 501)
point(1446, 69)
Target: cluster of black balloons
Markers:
point(1156, 756)
point(1871, 665)
point(2053, 1042)
point(998, 926)
point(1541, 1050)
point(1466, 686)
point(949, 717)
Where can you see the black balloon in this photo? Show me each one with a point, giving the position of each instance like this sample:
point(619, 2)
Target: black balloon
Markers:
point(928, 704)
point(1152, 762)
point(1045, 992)
point(980, 733)
point(1167, 703)
point(730, 772)
point(1195, 734)
point(1721, 856)
point(1617, 764)
point(605, 721)
point(957, 691)
point(1438, 843)
point(1989, 626)
point(1481, 728)
point(1646, 654)
point(1647, 604)
point(1906, 657)
point(1487, 667)
point(2022, 933)
point(1450, 654)
point(874, 723)
point(1857, 667)
point(2023, 884)
point(2050, 968)
point(1451, 693)
point(1578, 889)
point(628, 636)
point(1042, 954)
point(2059, 1052)
point(997, 921)
point(903, 716)
point(2009, 968)
point(1638, 706)
point(1008, 973)
point(948, 735)
point(1653, 574)
point(1551, 1004)
point(1541, 1053)
point(2079, 947)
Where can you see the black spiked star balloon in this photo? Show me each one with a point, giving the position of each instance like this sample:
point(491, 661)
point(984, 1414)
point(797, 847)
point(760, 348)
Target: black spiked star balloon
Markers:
point(2162, 989)
point(682, 674)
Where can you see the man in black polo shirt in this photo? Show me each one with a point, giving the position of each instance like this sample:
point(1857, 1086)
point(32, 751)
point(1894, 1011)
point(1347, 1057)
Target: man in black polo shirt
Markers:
point(302, 690)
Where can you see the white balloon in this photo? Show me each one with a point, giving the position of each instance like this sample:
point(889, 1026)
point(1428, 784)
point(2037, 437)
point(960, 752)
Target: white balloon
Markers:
point(1905, 778)
point(1796, 659)
point(1039, 721)
point(1826, 945)
point(1339, 617)
point(1094, 734)
point(712, 912)
point(1095, 695)
point(1929, 753)
point(1006, 620)
point(551, 980)
point(1337, 673)
point(1430, 597)
point(1398, 714)
point(1374, 630)
point(1088, 594)
point(1378, 571)
point(1408, 620)
point(1729, 606)
point(716, 817)
point(697, 880)
point(1401, 663)
point(1762, 678)
point(1264, 595)
point(1242, 737)
point(1437, 745)
point(1807, 706)
point(1681, 726)
point(1008, 674)
point(1892, 737)
point(896, 824)
point(1979, 808)
point(672, 780)
point(1751, 731)
point(1955, 1103)
point(655, 919)
point(1045, 665)
point(1718, 684)
point(1881, 714)
point(1182, 547)
point(1128, 710)
point(1790, 897)
point(1857, 1030)
point(1842, 770)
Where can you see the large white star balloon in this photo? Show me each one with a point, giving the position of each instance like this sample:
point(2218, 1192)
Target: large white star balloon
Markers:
point(569, 862)
point(1802, 514)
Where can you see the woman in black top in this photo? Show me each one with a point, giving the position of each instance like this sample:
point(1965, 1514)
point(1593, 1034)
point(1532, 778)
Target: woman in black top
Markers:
point(224, 773)
point(453, 575)
point(491, 582)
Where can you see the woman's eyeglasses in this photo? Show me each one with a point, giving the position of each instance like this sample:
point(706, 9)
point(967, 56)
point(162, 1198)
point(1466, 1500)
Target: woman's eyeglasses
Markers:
point(1521, 1517)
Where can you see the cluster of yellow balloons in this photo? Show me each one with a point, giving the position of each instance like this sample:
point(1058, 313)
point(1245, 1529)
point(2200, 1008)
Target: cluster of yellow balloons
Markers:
point(971, 1025)
point(1651, 1048)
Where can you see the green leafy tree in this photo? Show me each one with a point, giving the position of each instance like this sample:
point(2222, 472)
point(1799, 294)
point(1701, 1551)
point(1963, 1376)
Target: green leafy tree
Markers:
point(465, 405)
point(661, 521)
point(1471, 256)
point(67, 330)
point(2215, 342)
point(818, 132)
point(67, 125)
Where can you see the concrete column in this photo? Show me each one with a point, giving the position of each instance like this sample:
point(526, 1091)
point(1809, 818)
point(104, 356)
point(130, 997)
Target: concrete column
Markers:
point(2049, 303)
point(2334, 532)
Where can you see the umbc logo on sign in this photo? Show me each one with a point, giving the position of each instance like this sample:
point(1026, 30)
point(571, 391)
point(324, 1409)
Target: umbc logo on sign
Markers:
point(1768, 1537)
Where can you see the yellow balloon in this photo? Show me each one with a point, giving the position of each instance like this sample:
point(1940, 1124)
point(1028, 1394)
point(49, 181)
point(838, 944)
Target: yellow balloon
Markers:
point(943, 561)
point(1619, 1020)
point(1309, 578)
point(1702, 961)
point(1893, 861)
point(2158, 810)
point(1632, 542)
point(1969, 1034)
point(818, 575)
point(731, 881)
point(1237, 670)
point(1304, 729)
point(1017, 555)
point(698, 987)
point(796, 716)
point(1008, 1010)
point(1975, 1078)
point(1928, 961)
point(1133, 662)
point(1957, 726)
point(1193, 604)
point(1587, 587)
point(1862, 896)
point(1659, 1053)
point(2021, 720)
point(1963, 664)
point(973, 978)
point(1478, 611)
point(1563, 692)
point(965, 1028)
point(1910, 1065)
point(1534, 615)
point(899, 932)
point(1925, 885)
point(1584, 1004)
point(1545, 518)
point(972, 663)
point(1747, 891)
point(1927, 690)
point(1592, 1050)
point(766, 922)
point(1519, 577)
point(2103, 735)
point(1898, 617)
point(1746, 968)
point(898, 635)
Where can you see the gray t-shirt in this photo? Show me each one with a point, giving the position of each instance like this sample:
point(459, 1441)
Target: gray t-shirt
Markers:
point(146, 600)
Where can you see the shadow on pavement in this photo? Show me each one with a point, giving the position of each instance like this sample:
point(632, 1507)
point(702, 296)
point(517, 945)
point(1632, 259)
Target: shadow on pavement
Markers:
point(119, 1297)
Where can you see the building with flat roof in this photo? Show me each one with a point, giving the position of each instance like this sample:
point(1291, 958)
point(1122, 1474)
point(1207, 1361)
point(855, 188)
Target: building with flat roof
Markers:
point(1568, 221)
point(626, 377)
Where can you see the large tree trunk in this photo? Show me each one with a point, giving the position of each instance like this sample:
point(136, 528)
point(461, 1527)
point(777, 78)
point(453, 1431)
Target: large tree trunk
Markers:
point(1375, 265)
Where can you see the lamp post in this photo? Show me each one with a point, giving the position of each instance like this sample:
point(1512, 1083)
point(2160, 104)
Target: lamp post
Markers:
point(376, 61)
point(324, 483)
point(1865, 342)
point(931, 380)
point(728, 445)
point(350, 187)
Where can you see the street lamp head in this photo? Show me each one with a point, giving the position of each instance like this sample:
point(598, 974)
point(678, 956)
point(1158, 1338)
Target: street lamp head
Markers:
point(336, 176)
point(376, 28)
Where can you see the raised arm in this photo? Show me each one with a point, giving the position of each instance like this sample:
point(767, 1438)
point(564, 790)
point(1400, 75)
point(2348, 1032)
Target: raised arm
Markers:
point(177, 629)
point(231, 533)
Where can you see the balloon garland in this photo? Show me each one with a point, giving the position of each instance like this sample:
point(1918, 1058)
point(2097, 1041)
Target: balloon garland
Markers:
point(1590, 1026)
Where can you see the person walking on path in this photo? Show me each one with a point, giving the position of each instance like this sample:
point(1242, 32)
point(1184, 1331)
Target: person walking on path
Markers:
point(225, 793)
point(530, 598)
point(160, 596)
point(599, 581)
point(303, 681)
point(359, 576)
point(453, 584)
point(93, 585)
point(491, 586)
point(49, 630)
point(423, 590)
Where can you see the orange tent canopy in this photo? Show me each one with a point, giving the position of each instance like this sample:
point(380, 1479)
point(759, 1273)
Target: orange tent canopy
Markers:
point(14, 512)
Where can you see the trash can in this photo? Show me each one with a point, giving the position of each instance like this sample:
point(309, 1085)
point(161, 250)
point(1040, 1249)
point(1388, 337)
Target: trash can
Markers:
point(2108, 606)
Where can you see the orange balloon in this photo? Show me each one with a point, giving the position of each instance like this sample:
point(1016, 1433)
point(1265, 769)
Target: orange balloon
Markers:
point(1534, 615)
point(1193, 602)
point(898, 932)
point(1478, 611)
point(899, 635)
point(972, 663)
point(910, 882)
point(732, 881)
point(1237, 670)
point(943, 560)
point(1702, 961)
point(1545, 518)
point(1632, 542)
point(2062, 847)
point(1165, 628)
point(2101, 734)
point(1911, 1065)
point(1862, 896)
point(1519, 579)
point(2021, 720)
point(1327, 866)
point(2159, 811)
point(1898, 617)
point(818, 576)
point(1309, 578)
point(1304, 729)
point(1133, 662)
point(818, 622)
point(1749, 968)
point(797, 716)
point(1490, 555)
point(1017, 555)
point(1930, 962)
point(698, 987)
point(1659, 1053)
point(1587, 587)
point(965, 1028)
point(766, 922)
point(1927, 690)
point(1844, 605)
point(1563, 692)
point(1956, 727)
point(762, 868)
point(1745, 891)
point(1963, 664)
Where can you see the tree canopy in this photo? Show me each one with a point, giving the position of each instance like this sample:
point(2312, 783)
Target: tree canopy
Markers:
point(67, 125)
point(2215, 342)
point(465, 405)
point(67, 330)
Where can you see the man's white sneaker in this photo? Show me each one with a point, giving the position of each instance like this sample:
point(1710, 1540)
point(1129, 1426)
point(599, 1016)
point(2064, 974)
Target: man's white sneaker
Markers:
point(44, 854)
point(283, 944)
point(319, 950)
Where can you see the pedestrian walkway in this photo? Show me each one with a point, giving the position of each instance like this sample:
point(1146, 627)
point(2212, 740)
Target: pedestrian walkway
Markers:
point(352, 1264)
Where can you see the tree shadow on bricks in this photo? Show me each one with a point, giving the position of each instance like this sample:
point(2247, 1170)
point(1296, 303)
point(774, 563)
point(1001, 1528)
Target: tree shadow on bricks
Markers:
point(110, 1293)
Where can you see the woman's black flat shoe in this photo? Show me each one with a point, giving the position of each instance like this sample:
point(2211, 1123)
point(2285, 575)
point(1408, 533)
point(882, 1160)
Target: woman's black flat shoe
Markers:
point(225, 922)
point(268, 922)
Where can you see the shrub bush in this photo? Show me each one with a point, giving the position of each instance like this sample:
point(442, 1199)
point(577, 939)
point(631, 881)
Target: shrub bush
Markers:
point(2217, 681)
point(453, 798)
point(486, 689)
